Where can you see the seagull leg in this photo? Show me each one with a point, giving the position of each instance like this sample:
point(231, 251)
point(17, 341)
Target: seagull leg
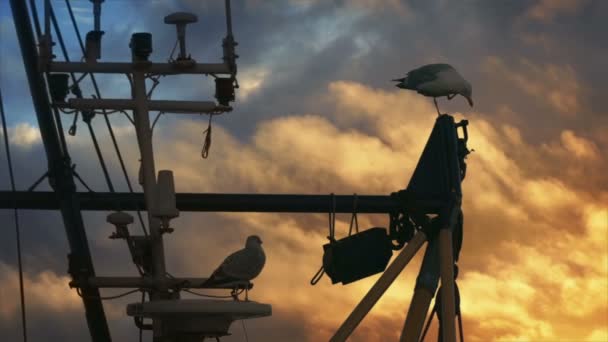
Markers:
point(436, 106)
point(235, 293)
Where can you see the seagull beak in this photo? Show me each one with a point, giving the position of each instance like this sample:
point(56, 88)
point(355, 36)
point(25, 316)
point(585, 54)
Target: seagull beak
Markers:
point(470, 100)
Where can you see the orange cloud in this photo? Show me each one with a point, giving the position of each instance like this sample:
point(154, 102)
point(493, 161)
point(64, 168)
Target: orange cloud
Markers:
point(45, 290)
point(557, 85)
point(546, 10)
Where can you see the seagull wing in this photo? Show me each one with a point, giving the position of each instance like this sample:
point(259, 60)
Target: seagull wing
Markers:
point(424, 74)
point(242, 265)
point(427, 73)
point(220, 276)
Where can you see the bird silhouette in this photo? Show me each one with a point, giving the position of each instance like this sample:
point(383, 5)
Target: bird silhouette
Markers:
point(436, 80)
point(241, 266)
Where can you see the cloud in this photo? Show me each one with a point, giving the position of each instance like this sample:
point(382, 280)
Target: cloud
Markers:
point(45, 290)
point(556, 85)
point(578, 146)
point(547, 10)
point(24, 135)
point(366, 5)
point(251, 80)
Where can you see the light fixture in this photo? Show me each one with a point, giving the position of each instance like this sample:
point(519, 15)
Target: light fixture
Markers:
point(141, 46)
point(224, 90)
point(93, 46)
point(165, 207)
point(58, 87)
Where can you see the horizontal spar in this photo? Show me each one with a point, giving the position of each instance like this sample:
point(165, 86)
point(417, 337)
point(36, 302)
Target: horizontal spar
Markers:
point(206, 202)
point(147, 67)
point(151, 283)
point(153, 105)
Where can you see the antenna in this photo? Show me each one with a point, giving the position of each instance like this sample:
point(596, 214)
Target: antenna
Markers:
point(165, 208)
point(228, 18)
point(180, 20)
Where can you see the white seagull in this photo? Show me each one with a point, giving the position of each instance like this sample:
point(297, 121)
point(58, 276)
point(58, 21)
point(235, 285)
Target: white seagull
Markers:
point(240, 266)
point(436, 80)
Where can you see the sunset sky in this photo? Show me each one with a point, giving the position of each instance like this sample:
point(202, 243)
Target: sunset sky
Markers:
point(316, 113)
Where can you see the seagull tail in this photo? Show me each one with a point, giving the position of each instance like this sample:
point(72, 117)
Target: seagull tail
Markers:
point(219, 277)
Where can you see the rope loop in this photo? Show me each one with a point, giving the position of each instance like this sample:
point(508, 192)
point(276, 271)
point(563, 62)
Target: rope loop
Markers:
point(354, 217)
point(332, 219)
point(207, 142)
point(315, 279)
point(331, 237)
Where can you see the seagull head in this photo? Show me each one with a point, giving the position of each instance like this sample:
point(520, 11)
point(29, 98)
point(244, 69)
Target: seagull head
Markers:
point(467, 92)
point(253, 241)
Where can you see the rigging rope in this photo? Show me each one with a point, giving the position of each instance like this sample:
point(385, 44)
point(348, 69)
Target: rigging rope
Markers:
point(245, 330)
point(112, 136)
point(16, 215)
point(141, 330)
point(332, 230)
point(37, 182)
point(56, 116)
point(212, 296)
point(80, 179)
point(76, 90)
point(109, 297)
point(353, 218)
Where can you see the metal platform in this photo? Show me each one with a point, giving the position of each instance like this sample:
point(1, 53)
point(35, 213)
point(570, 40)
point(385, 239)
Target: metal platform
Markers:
point(194, 319)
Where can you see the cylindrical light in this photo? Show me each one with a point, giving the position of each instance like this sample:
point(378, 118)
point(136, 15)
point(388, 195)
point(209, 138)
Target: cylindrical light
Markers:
point(141, 46)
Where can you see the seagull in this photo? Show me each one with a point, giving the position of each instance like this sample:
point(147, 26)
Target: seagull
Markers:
point(436, 80)
point(240, 266)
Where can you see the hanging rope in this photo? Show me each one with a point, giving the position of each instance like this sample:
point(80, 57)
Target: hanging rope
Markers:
point(16, 216)
point(207, 142)
point(332, 231)
point(212, 296)
point(79, 292)
point(332, 219)
point(353, 219)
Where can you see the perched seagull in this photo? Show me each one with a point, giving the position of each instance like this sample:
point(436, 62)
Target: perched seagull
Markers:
point(240, 266)
point(436, 80)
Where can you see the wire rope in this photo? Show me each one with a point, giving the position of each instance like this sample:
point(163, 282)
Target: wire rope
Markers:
point(78, 94)
point(16, 216)
point(111, 131)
